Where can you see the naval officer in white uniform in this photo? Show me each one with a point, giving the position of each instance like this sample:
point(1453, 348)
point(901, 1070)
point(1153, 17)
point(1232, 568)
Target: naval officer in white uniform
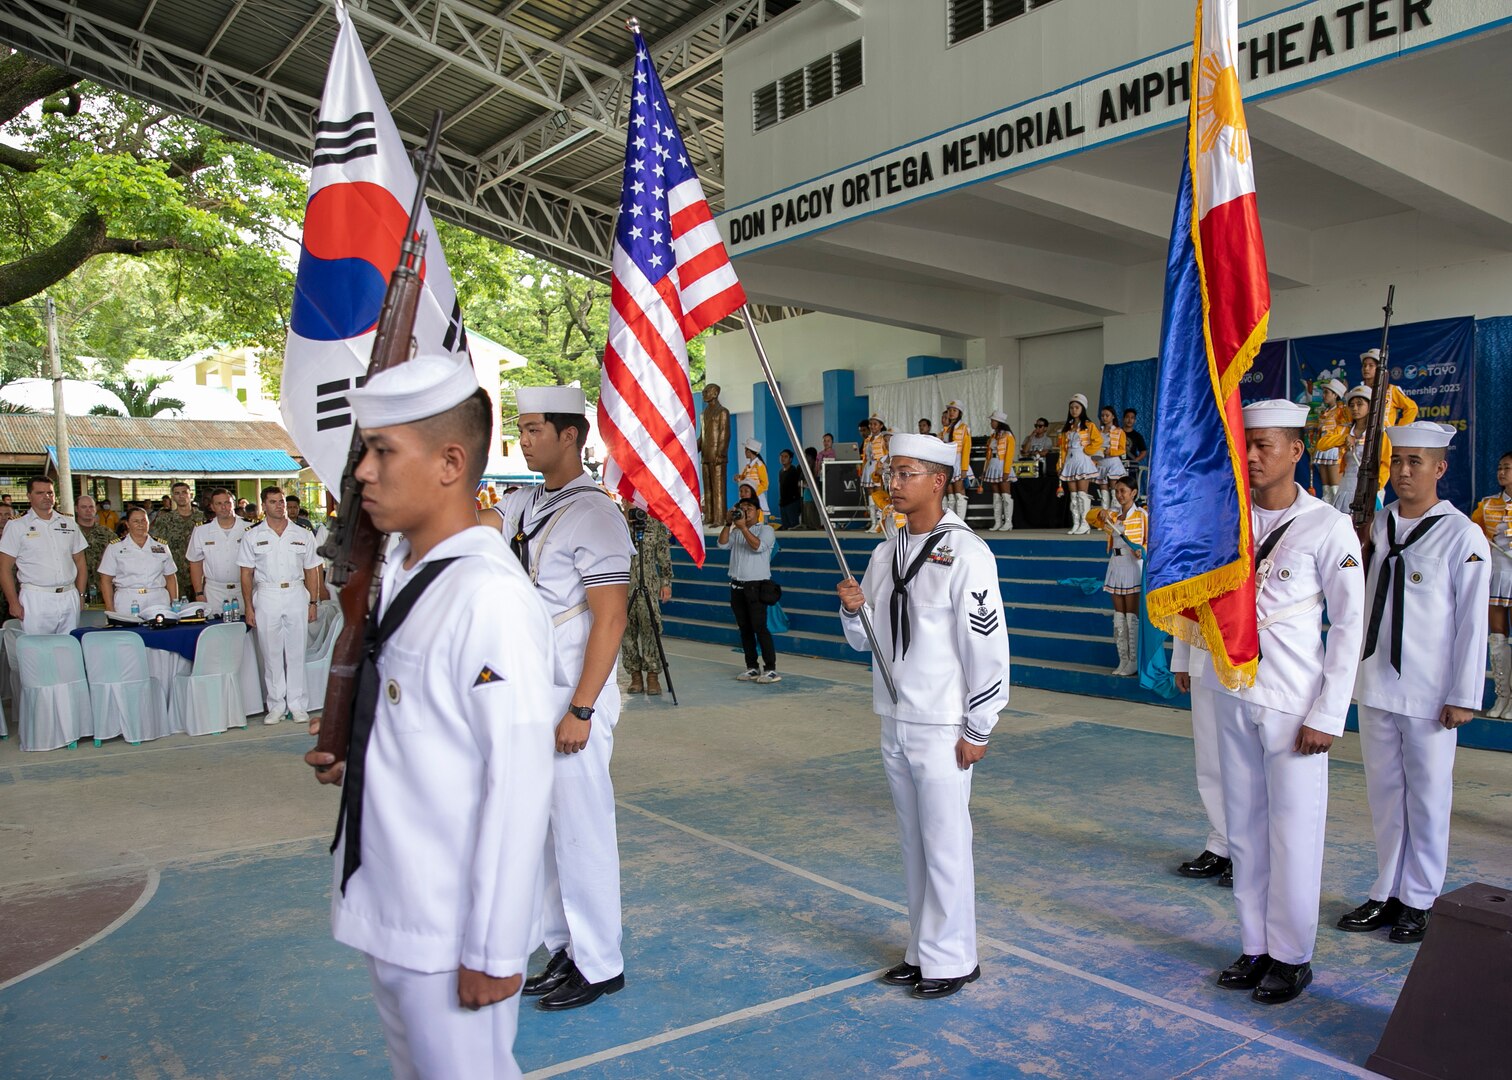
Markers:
point(137, 569)
point(573, 543)
point(214, 554)
point(1421, 677)
point(438, 860)
point(42, 568)
point(931, 592)
point(1274, 737)
point(280, 578)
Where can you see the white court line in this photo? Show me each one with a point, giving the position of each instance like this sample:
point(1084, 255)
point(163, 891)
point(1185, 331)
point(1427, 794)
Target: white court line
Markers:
point(1232, 1027)
point(706, 1025)
point(121, 920)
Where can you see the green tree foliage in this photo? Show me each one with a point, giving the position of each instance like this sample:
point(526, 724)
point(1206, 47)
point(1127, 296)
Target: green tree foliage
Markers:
point(155, 235)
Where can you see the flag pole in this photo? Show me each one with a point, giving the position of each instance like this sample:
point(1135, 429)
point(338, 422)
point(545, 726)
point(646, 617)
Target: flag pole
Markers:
point(808, 476)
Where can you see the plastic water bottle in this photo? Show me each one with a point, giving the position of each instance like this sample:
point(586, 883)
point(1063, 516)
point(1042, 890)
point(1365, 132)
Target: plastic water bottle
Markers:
point(236, 615)
point(225, 611)
point(136, 609)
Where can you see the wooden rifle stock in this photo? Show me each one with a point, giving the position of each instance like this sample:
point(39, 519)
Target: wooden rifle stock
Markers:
point(1362, 509)
point(355, 546)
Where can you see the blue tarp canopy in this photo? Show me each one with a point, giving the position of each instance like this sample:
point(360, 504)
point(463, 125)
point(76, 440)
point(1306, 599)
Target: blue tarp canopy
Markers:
point(136, 464)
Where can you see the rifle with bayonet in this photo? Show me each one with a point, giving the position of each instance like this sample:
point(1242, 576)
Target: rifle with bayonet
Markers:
point(1368, 479)
point(355, 545)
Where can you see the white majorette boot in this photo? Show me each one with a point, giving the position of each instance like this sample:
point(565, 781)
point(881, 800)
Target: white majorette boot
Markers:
point(1121, 639)
point(1131, 621)
point(1007, 513)
point(1074, 499)
point(1082, 527)
point(1501, 676)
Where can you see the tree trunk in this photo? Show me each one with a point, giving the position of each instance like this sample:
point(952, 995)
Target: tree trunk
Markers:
point(24, 80)
point(30, 274)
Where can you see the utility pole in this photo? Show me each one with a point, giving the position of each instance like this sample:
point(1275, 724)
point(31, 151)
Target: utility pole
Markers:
point(60, 416)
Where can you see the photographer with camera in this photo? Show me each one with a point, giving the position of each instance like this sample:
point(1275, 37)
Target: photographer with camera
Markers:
point(752, 589)
point(651, 585)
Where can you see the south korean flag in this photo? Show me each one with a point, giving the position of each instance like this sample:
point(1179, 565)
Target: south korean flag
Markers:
point(361, 186)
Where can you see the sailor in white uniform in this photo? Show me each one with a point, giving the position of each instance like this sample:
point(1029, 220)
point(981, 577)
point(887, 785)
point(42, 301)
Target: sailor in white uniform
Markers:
point(280, 578)
point(931, 593)
point(1430, 575)
point(42, 568)
point(438, 860)
point(137, 569)
point(1274, 736)
point(572, 540)
point(214, 554)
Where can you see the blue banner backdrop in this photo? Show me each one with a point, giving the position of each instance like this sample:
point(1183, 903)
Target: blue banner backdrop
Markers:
point(1270, 377)
point(1433, 362)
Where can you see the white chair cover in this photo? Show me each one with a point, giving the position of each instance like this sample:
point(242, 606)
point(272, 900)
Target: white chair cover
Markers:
point(209, 698)
point(126, 700)
point(10, 673)
point(54, 692)
point(322, 643)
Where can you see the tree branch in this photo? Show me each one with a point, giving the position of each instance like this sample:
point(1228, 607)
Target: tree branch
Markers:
point(116, 245)
point(29, 275)
point(21, 160)
point(24, 81)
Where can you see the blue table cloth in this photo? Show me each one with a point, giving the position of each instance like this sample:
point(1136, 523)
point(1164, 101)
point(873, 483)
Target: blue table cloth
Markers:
point(181, 638)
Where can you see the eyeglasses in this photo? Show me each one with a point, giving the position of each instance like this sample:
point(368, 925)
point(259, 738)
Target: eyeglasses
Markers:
point(901, 476)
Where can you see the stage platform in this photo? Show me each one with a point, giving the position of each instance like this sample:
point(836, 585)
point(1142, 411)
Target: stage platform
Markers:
point(1061, 636)
point(167, 905)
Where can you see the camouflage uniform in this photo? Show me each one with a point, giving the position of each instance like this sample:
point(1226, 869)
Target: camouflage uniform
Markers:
point(174, 529)
point(99, 538)
point(638, 646)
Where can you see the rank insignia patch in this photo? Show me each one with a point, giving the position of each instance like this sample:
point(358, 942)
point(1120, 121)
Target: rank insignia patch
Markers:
point(1349, 563)
point(486, 676)
point(1474, 558)
point(984, 620)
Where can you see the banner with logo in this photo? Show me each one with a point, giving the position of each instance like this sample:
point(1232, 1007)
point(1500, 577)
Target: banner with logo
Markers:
point(1433, 363)
point(1268, 379)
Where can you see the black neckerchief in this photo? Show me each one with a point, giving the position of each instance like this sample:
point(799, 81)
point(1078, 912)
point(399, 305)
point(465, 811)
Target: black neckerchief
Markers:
point(1397, 584)
point(902, 629)
point(365, 712)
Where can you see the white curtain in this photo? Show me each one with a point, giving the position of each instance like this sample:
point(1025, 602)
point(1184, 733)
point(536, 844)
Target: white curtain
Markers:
point(903, 404)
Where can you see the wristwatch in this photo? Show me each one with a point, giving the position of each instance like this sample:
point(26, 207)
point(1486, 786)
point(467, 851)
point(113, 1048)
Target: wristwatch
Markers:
point(582, 712)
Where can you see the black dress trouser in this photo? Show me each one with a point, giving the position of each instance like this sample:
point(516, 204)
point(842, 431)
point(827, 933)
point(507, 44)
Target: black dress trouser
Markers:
point(751, 618)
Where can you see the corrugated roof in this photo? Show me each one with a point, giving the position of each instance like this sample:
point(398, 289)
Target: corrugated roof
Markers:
point(34, 434)
point(118, 461)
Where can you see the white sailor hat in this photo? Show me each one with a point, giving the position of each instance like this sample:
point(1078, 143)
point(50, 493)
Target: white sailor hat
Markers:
point(1337, 386)
point(1081, 399)
point(414, 390)
point(1371, 354)
point(878, 418)
point(923, 447)
point(566, 400)
point(753, 446)
point(1275, 413)
point(956, 405)
point(1361, 391)
point(999, 415)
point(1420, 433)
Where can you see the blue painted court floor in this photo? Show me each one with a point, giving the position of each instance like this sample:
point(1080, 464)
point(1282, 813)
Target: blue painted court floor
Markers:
point(762, 896)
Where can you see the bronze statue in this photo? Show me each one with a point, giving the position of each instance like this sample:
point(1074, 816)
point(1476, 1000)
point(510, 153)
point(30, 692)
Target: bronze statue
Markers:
point(714, 449)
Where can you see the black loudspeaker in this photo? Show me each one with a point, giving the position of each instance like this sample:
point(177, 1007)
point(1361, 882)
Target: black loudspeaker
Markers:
point(1453, 1020)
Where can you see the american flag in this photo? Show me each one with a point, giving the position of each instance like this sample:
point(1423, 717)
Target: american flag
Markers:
point(671, 281)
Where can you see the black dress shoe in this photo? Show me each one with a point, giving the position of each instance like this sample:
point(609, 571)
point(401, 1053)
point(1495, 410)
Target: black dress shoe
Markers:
point(578, 991)
point(1244, 973)
point(929, 989)
point(554, 975)
point(1410, 926)
point(1282, 983)
point(1371, 915)
point(1226, 879)
point(1205, 865)
point(902, 975)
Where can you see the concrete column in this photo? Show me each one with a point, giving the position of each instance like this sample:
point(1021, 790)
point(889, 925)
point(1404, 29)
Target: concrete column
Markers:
point(843, 407)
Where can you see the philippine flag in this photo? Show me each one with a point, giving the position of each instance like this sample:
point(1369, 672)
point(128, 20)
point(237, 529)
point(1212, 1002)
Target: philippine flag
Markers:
point(361, 186)
point(1217, 308)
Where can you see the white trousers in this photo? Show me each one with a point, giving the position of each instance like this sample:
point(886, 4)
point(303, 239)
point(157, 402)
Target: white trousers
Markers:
point(932, 796)
point(1209, 773)
point(49, 612)
point(1275, 802)
point(1409, 780)
point(283, 616)
point(431, 1037)
point(581, 909)
point(217, 594)
point(124, 598)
